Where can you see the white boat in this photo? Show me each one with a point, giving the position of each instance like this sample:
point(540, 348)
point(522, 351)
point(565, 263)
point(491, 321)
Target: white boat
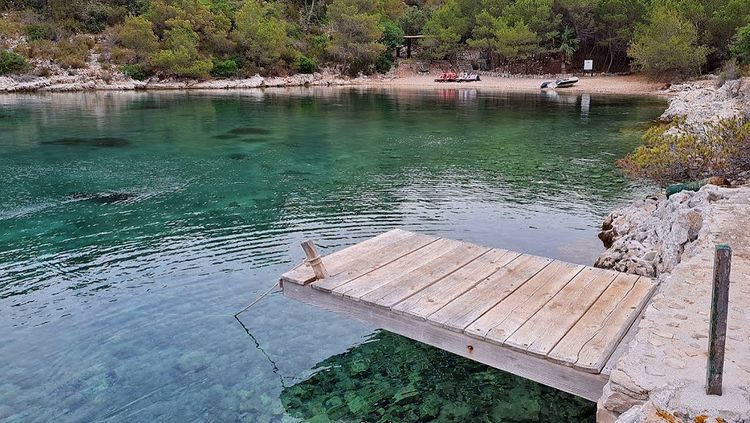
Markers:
point(560, 83)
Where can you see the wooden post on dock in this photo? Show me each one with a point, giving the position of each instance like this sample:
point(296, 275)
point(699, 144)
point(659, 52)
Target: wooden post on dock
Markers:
point(717, 334)
point(314, 260)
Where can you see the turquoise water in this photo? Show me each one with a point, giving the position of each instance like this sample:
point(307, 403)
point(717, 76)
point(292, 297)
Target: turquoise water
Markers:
point(134, 225)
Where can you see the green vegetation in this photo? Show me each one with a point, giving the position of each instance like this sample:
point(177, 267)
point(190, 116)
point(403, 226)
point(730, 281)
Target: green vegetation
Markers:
point(11, 62)
point(677, 152)
point(223, 38)
point(668, 45)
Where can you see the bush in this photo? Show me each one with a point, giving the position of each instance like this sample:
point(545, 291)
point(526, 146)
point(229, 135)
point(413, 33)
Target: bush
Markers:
point(729, 72)
point(136, 71)
point(224, 68)
point(305, 64)
point(182, 63)
point(384, 62)
point(678, 152)
point(11, 62)
point(73, 53)
point(36, 32)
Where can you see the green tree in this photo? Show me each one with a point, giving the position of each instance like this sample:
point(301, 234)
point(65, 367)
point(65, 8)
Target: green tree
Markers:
point(137, 34)
point(413, 20)
point(740, 47)
point(356, 33)
point(446, 29)
point(567, 45)
point(261, 32)
point(615, 25)
point(509, 41)
point(179, 55)
point(667, 45)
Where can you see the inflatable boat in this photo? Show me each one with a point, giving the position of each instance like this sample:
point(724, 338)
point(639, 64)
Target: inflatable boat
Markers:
point(560, 83)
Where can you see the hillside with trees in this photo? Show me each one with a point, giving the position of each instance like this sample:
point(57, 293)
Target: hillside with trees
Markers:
point(233, 38)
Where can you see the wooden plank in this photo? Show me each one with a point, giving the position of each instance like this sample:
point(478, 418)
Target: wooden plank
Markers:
point(360, 286)
point(372, 260)
point(564, 378)
point(437, 295)
point(339, 260)
point(592, 340)
point(593, 320)
point(515, 309)
point(547, 326)
point(411, 282)
point(461, 312)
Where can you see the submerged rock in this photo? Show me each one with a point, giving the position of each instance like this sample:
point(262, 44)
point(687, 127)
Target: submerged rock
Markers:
point(249, 131)
point(225, 136)
point(238, 156)
point(90, 142)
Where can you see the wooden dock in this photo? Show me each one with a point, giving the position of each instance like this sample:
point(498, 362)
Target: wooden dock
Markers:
point(553, 322)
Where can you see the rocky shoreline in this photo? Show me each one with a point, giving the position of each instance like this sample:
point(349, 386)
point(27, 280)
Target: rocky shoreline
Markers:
point(94, 78)
point(649, 237)
point(661, 374)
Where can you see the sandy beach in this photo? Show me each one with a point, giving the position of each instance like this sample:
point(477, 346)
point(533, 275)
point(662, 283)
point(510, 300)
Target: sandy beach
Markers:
point(631, 84)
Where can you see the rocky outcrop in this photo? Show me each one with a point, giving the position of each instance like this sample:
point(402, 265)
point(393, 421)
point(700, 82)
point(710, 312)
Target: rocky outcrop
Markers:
point(702, 101)
point(661, 375)
point(649, 237)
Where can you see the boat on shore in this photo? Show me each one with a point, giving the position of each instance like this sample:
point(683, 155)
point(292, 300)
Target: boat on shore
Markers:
point(560, 83)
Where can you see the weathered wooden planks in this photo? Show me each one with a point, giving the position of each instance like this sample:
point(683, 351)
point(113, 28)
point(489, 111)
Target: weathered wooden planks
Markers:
point(461, 312)
point(596, 335)
point(373, 260)
point(559, 313)
point(437, 295)
point(342, 259)
point(414, 281)
point(513, 311)
point(548, 325)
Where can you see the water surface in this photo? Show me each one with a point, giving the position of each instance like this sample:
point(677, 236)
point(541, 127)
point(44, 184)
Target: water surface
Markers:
point(134, 225)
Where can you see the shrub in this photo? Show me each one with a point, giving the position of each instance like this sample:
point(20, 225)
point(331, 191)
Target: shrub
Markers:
point(181, 62)
point(305, 64)
point(678, 152)
point(40, 32)
point(42, 49)
point(11, 62)
point(73, 53)
point(729, 72)
point(136, 71)
point(384, 62)
point(224, 68)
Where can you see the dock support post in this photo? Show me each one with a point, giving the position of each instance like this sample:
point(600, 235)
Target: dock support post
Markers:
point(313, 258)
point(717, 334)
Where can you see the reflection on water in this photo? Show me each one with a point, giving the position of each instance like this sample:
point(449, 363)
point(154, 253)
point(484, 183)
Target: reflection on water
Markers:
point(135, 224)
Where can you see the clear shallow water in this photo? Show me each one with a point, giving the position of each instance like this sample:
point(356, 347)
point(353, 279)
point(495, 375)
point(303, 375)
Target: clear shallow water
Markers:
point(134, 225)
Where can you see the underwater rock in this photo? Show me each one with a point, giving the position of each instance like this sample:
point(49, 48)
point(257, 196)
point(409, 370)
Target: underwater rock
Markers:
point(238, 156)
point(249, 131)
point(225, 136)
point(90, 142)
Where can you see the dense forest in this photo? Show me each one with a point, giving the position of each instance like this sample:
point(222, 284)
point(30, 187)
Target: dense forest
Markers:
point(226, 38)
